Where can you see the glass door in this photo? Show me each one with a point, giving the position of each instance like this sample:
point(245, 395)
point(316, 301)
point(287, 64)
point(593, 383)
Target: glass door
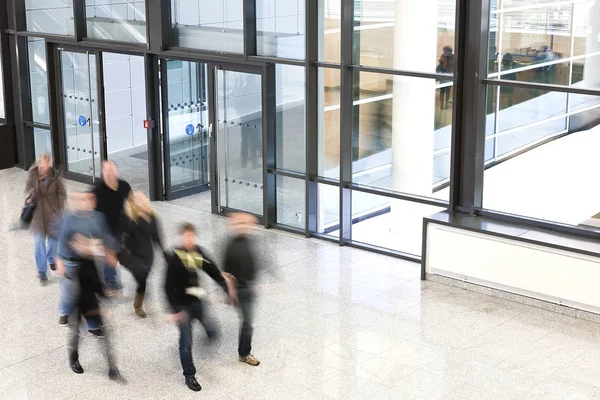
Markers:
point(80, 114)
point(239, 139)
point(186, 142)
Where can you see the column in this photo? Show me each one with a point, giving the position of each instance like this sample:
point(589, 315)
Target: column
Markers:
point(413, 109)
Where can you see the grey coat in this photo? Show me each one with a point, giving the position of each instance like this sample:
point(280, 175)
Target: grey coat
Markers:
point(49, 199)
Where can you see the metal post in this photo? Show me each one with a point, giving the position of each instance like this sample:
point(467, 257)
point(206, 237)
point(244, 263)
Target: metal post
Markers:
point(269, 145)
point(153, 133)
point(311, 115)
point(80, 19)
point(158, 27)
point(250, 48)
point(346, 120)
point(89, 68)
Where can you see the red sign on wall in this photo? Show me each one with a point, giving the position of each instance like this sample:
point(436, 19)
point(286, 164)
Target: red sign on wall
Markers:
point(146, 124)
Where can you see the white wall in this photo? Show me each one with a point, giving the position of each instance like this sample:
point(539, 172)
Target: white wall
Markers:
point(533, 270)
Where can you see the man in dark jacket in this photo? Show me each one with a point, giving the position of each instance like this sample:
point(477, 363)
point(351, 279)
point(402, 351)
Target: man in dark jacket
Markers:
point(240, 264)
point(184, 295)
point(111, 194)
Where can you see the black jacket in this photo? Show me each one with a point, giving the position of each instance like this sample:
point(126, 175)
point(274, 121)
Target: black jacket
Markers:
point(240, 261)
point(138, 237)
point(179, 278)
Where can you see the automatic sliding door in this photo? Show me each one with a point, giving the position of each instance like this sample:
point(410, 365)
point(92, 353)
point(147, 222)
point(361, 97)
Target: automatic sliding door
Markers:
point(239, 135)
point(187, 148)
point(80, 113)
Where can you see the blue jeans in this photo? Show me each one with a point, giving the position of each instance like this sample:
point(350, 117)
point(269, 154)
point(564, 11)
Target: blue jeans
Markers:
point(111, 278)
point(68, 292)
point(44, 254)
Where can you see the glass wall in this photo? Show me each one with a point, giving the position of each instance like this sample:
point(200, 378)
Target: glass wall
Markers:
point(544, 141)
point(38, 76)
point(50, 16)
point(281, 28)
point(214, 25)
point(290, 118)
point(116, 20)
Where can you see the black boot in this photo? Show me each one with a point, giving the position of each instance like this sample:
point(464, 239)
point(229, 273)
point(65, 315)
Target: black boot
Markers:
point(76, 367)
point(115, 375)
point(192, 383)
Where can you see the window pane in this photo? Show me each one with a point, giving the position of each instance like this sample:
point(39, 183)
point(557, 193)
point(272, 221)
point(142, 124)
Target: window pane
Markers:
point(215, 25)
point(50, 16)
point(389, 223)
point(550, 181)
point(39, 80)
point(520, 106)
point(402, 133)
point(280, 28)
point(328, 219)
point(407, 35)
point(291, 202)
point(329, 123)
point(555, 44)
point(42, 141)
point(330, 30)
point(291, 138)
point(118, 20)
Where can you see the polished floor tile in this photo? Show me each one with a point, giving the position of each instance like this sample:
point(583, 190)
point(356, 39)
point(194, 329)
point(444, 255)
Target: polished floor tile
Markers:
point(330, 323)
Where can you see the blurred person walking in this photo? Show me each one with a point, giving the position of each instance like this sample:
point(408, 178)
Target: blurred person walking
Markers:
point(141, 230)
point(111, 193)
point(241, 267)
point(85, 238)
point(185, 295)
point(45, 190)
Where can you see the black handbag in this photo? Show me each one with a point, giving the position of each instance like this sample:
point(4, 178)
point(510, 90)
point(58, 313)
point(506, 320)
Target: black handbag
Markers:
point(27, 213)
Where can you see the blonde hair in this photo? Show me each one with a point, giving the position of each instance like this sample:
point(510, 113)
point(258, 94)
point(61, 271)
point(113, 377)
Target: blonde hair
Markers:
point(140, 204)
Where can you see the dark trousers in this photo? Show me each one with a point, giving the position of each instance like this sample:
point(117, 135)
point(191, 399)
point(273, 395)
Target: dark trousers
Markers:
point(86, 305)
point(196, 310)
point(246, 308)
point(138, 269)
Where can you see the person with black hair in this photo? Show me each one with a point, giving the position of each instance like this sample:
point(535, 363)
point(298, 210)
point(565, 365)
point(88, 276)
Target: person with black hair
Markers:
point(185, 295)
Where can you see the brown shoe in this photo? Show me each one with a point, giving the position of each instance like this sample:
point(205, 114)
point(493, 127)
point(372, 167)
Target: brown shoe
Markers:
point(138, 305)
point(250, 360)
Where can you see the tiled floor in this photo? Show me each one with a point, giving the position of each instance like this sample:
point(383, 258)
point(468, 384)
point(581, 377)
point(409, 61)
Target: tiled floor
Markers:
point(332, 323)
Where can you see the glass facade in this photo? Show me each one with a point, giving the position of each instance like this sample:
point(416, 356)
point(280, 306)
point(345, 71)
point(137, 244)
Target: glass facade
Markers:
point(117, 20)
point(50, 16)
point(543, 137)
point(341, 119)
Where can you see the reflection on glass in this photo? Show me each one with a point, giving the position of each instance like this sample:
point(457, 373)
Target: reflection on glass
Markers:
point(215, 25)
point(405, 35)
point(519, 139)
point(291, 202)
point(80, 105)
point(280, 28)
point(118, 20)
point(125, 112)
point(239, 134)
point(548, 43)
point(328, 219)
point(42, 141)
point(402, 133)
point(329, 31)
point(38, 79)
point(188, 124)
point(50, 16)
point(290, 122)
point(522, 106)
point(388, 223)
point(329, 123)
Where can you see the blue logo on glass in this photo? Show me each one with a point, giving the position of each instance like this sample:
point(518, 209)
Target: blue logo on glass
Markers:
point(82, 120)
point(189, 130)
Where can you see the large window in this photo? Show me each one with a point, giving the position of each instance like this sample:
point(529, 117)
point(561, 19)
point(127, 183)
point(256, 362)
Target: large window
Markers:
point(50, 16)
point(280, 26)
point(215, 25)
point(118, 20)
point(38, 75)
point(542, 142)
point(290, 133)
